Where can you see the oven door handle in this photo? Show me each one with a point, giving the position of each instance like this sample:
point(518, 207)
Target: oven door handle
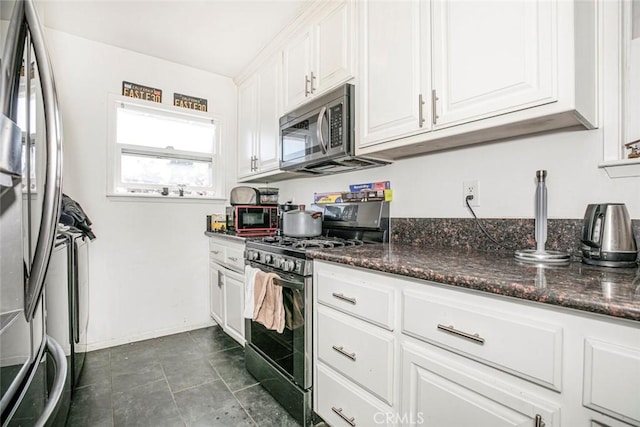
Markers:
point(288, 284)
point(285, 283)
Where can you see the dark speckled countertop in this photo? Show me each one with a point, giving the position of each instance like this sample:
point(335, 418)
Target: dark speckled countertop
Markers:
point(609, 291)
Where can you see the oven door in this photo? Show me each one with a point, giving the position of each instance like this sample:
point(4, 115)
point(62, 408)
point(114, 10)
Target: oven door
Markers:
point(289, 351)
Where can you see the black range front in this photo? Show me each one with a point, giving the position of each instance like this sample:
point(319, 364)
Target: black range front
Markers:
point(282, 362)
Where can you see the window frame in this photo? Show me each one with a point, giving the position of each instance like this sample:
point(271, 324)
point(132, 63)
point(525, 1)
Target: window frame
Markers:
point(115, 152)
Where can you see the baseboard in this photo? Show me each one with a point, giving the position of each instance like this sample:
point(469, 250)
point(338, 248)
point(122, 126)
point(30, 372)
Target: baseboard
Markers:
point(147, 335)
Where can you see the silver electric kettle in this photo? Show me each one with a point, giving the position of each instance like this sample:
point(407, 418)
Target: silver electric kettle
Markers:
point(607, 236)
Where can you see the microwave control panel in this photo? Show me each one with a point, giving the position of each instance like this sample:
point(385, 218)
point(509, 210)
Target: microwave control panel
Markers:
point(335, 128)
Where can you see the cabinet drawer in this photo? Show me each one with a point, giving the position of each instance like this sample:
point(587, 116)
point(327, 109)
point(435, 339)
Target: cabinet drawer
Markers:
point(235, 258)
point(368, 300)
point(359, 351)
point(612, 380)
point(341, 404)
point(520, 346)
point(216, 251)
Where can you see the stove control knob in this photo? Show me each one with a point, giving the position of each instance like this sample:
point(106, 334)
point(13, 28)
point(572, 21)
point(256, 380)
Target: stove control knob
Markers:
point(268, 259)
point(288, 265)
point(253, 255)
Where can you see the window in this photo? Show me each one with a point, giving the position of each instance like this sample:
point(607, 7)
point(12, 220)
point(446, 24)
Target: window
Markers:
point(161, 151)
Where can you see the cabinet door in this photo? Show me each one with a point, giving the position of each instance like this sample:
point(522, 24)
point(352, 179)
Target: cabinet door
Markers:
point(439, 391)
point(333, 49)
point(296, 70)
point(234, 303)
point(247, 125)
point(491, 58)
point(268, 116)
point(393, 70)
point(216, 293)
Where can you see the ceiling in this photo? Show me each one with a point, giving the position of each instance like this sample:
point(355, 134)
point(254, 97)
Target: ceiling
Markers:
point(219, 36)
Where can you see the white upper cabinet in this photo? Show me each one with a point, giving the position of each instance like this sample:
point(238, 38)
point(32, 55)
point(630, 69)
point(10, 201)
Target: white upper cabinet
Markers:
point(247, 125)
point(439, 74)
point(394, 81)
point(320, 57)
point(491, 58)
point(297, 76)
point(258, 113)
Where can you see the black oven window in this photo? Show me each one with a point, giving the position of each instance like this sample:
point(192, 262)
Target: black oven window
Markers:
point(254, 218)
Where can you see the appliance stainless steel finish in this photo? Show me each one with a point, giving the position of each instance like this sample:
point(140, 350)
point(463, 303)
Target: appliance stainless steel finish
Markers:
point(318, 137)
point(244, 196)
point(67, 299)
point(607, 236)
point(283, 362)
point(33, 366)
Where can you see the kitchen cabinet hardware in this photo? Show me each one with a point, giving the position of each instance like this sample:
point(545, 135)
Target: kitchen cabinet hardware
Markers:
point(232, 258)
point(344, 298)
point(311, 83)
point(434, 98)
point(420, 110)
point(220, 279)
point(306, 86)
point(342, 351)
point(351, 421)
point(539, 421)
point(215, 252)
point(451, 330)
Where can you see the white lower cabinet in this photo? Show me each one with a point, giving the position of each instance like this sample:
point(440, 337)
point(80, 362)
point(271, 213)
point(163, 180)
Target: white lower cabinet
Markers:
point(343, 404)
point(437, 390)
point(422, 353)
point(216, 293)
point(226, 285)
point(234, 305)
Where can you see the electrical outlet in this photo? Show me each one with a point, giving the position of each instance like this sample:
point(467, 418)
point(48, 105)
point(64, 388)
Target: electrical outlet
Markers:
point(470, 188)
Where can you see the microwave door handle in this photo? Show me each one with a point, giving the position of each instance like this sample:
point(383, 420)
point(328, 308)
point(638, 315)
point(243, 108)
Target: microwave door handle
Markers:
point(323, 146)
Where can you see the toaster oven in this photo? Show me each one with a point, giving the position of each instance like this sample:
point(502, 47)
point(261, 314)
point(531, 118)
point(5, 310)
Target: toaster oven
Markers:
point(252, 220)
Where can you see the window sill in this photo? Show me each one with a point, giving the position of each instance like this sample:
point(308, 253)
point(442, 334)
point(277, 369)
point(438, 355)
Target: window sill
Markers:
point(153, 198)
point(622, 168)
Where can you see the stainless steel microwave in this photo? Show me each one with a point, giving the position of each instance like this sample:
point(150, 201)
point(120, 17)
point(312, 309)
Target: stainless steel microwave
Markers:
point(318, 137)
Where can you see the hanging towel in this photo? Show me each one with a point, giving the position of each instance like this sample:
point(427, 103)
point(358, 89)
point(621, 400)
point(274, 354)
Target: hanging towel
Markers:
point(249, 281)
point(268, 307)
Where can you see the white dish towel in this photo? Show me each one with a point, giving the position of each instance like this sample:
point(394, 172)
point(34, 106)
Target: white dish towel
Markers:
point(249, 282)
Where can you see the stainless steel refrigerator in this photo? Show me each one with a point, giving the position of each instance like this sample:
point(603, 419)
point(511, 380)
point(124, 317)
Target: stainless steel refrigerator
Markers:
point(33, 366)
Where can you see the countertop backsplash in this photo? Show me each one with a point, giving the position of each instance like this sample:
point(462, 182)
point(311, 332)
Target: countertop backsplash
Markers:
point(464, 233)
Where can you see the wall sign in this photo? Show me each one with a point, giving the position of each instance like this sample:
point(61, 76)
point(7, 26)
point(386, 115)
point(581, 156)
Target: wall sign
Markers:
point(147, 93)
point(190, 102)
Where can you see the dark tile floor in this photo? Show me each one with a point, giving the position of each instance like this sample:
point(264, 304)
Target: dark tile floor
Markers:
point(195, 378)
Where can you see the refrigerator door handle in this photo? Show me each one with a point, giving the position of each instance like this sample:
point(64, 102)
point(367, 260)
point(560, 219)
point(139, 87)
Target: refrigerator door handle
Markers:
point(55, 395)
point(53, 175)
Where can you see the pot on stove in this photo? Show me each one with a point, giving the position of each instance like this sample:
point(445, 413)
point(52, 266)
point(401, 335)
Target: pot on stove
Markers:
point(302, 223)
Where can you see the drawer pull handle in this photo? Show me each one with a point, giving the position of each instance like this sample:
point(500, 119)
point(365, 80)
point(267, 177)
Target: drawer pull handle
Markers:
point(341, 350)
point(234, 259)
point(473, 337)
point(539, 421)
point(344, 298)
point(215, 252)
point(351, 421)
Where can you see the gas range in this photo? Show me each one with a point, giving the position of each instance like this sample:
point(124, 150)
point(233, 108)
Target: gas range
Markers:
point(288, 254)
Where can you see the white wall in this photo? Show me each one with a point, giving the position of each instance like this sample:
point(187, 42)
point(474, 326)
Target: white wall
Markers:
point(149, 264)
point(430, 186)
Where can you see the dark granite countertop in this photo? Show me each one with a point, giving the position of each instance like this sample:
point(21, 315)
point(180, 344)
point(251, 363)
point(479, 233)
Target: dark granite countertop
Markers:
point(609, 291)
